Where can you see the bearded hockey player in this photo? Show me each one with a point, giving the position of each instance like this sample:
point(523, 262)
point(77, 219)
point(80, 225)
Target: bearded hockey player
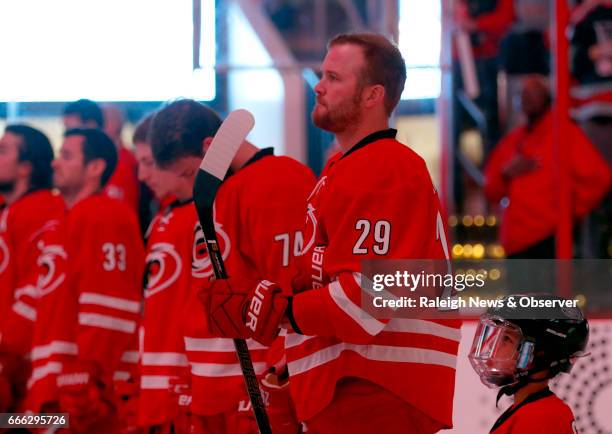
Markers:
point(519, 350)
point(30, 212)
point(90, 317)
point(258, 213)
point(351, 372)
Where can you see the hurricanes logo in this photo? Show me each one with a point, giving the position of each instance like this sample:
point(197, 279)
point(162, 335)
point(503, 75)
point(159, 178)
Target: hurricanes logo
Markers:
point(310, 229)
point(4, 255)
point(115, 192)
point(164, 267)
point(201, 266)
point(50, 277)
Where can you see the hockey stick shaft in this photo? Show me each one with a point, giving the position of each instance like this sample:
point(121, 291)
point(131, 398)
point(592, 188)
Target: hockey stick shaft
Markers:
point(207, 183)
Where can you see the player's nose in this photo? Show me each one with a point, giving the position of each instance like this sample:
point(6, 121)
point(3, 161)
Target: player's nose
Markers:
point(319, 88)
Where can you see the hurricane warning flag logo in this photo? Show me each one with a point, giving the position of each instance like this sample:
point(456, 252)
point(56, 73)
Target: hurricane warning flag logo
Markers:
point(49, 261)
point(164, 267)
point(310, 229)
point(201, 266)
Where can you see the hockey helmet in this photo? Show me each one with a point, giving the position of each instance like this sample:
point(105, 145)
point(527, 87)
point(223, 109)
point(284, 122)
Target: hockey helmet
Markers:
point(516, 339)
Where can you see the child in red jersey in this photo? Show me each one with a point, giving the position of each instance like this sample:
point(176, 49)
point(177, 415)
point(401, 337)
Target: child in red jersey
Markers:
point(520, 349)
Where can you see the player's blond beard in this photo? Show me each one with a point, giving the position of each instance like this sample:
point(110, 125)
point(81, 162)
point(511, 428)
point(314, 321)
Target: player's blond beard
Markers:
point(338, 119)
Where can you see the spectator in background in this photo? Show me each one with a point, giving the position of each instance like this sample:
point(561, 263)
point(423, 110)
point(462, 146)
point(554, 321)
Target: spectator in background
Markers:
point(592, 41)
point(487, 22)
point(85, 113)
point(522, 168)
point(113, 123)
point(591, 56)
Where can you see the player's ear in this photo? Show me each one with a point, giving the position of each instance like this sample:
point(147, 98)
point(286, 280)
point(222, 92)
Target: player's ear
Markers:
point(95, 168)
point(206, 144)
point(24, 169)
point(373, 95)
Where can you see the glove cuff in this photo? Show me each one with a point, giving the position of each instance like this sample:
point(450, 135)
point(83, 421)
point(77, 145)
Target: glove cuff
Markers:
point(289, 314)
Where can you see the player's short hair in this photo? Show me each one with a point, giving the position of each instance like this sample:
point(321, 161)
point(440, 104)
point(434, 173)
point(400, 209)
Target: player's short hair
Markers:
point(36, 149)
point(86, 110)
point(97, 145)
point(384, 64)
point(141, 132)
point(179, 128)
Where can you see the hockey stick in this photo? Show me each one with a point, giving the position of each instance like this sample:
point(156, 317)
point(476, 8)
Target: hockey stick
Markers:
point(212, 171)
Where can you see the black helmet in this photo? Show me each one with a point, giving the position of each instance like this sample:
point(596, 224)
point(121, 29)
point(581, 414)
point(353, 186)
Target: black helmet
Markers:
point(525, 334)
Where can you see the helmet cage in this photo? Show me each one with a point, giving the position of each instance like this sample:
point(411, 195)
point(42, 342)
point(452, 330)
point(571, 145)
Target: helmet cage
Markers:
point(500, 353)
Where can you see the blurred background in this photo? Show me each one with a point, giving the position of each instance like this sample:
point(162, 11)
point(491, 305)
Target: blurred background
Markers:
point(466, 97)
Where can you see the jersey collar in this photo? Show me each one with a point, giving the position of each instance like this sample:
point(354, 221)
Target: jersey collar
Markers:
point(378, 135)
point(265, 152)
point(531, 398)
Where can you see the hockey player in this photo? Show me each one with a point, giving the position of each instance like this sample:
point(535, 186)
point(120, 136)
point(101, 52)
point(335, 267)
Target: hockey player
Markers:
point(31, 210)
point(90, 317)
point(170, 244)
point(351, 372)
point(519, 350)
point(123, 184)
point(258, 215)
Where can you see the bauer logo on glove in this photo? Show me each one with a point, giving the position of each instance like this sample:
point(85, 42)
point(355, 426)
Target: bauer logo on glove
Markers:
point(234, 311)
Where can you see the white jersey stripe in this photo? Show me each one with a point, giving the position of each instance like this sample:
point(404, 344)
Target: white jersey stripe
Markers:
point(121, 376)
point(111, 302)
point(381, 353)
point(219, 345)
point(55, 347)
point(155, 382)
point(295, 339)
point(164, 359)
point(41, 372)
point(107, 322)
point(223, 370)
point(130, 357)
point(406, 325)
point(367, 322)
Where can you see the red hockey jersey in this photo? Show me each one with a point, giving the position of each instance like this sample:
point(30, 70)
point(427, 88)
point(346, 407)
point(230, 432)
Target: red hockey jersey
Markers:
point(532, 213)
point(540, 413)
point(22, 227)
point(375, 201)
point(259, 212)
point(123, 185)
point(168, 273)
point(93, 311)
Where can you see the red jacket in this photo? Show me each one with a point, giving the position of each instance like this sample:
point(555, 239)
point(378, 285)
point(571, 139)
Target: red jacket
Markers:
point(375, 202)
point(532, 213)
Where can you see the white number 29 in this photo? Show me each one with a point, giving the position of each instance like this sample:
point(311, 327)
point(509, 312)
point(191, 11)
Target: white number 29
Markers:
point(114, 257)
point(382, 236)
